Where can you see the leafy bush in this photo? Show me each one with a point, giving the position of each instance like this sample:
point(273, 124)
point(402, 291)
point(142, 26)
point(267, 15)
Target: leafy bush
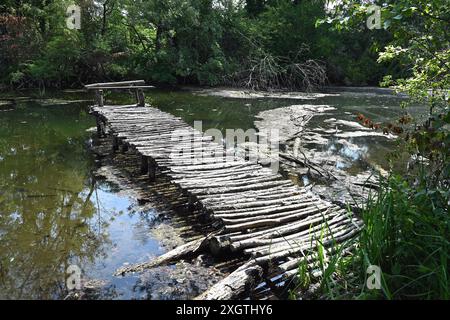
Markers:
point(407, 234)
point(174, 41)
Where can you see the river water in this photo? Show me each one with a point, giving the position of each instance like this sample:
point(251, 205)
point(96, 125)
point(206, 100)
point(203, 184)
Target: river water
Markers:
point(54, 212)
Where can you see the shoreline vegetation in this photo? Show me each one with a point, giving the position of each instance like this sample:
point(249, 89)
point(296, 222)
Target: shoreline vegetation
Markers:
point(9, 94)
point(405, 238)
point(259, 45)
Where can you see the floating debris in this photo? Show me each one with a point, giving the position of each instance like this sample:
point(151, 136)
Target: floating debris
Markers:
point(248, 94)
point(324, 157)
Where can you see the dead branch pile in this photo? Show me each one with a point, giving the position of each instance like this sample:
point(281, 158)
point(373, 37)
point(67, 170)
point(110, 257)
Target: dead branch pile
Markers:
point(263, 71)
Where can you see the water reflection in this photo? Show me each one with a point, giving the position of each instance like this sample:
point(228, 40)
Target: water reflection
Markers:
point(53, 212)
point(46, 206)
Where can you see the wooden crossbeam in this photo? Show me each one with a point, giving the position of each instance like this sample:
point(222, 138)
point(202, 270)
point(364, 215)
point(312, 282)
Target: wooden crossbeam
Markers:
point(136, 85)
point(114, 84)
point(120, 87)
point(261, 215)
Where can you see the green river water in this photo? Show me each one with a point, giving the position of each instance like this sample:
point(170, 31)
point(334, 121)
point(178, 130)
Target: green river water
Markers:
point(54, 213)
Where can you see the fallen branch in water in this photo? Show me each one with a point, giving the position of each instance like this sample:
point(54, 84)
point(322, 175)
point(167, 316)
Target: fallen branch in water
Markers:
point(242, 280)
point(168, 257)
point(306, 163)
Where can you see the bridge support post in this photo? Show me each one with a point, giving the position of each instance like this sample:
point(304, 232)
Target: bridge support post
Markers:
point(100, 131)
point(151, 169)
point(124, 147)
point(115, 143)
point(191, 203)
point(144, 164)
point(99, 97)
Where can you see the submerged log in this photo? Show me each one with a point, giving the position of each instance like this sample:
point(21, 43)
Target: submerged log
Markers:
point(260, 214)
point(173, 255)
point(240, 281)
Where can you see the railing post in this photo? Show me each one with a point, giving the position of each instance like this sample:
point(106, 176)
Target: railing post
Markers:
point(140, 97)
point(100, 130)
point(136, 96)
point(99, 97)
point(135, 87)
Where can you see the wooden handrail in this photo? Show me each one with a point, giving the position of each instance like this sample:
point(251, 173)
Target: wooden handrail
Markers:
point(120, 88)
point(115, 84)
point(136, 85)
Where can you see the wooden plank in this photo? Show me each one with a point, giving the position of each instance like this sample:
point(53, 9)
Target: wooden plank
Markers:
point(262, 214)
point(111, 87)
point(101, 84)
point(238, 282)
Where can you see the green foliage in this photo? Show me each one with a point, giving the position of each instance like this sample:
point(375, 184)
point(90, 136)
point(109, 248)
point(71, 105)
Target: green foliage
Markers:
point(407, 234)
point(59, 58)
point(407, 224)
point(420, 42)
point(174, 41)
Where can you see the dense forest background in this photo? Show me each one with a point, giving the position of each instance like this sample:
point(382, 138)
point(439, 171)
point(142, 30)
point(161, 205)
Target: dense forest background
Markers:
point(260, 44)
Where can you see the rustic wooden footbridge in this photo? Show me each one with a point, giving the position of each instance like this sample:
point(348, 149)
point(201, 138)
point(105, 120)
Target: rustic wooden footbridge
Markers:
point(257, 214)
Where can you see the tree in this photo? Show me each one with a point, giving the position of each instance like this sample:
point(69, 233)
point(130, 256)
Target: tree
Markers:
point(421, 44)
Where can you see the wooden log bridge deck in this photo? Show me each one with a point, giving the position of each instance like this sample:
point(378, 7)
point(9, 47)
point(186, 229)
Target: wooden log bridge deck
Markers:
point(260, 215)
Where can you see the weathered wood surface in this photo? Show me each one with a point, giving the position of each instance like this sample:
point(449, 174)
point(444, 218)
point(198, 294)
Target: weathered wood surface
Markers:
point(106, 87)
point(238, 282)
point(261, 215)
point(173, 255)
point(136, 85)
point(121, 83)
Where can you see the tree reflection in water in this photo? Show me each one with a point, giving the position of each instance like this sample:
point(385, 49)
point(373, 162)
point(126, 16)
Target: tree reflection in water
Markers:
point(48, 216)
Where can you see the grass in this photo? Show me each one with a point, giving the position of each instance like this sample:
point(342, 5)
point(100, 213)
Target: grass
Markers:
point(406, 234)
